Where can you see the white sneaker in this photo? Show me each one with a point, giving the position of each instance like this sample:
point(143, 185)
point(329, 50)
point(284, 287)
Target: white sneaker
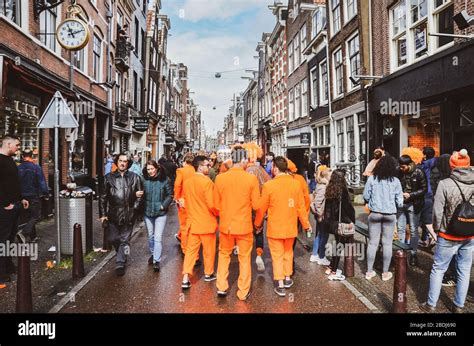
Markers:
point(370, 275)
point(324, 262)
point(260, 264)
point(337, 277)
point(314, 259)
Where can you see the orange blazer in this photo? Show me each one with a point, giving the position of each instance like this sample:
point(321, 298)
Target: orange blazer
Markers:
point(182, 174)
point(199, 204)
point(304, 189)
point(283, 198)
point(236, 193)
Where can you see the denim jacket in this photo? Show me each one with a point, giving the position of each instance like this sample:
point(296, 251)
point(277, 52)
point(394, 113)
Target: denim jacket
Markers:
point(383, 196)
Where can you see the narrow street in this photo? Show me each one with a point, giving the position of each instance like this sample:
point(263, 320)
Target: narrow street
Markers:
point(143, 291)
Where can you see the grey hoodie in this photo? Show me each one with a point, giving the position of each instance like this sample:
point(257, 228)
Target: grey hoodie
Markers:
point(448, 197)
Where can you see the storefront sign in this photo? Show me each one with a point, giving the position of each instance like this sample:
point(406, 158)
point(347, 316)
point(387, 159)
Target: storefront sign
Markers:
point(305, 138)
point(140, 124)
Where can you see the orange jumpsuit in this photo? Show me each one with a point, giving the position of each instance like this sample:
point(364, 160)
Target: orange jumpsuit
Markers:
point(201, 223)
point(283, 198)
point(182, 175)
point(236, 193)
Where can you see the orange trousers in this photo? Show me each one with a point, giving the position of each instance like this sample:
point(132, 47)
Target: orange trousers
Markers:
point(281, 251)
point(182, 233)
point(226, 246)
point(208, 242)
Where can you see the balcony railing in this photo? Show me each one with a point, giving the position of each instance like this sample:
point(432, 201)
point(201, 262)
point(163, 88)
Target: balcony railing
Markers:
point(122, 53)
point(122, 113)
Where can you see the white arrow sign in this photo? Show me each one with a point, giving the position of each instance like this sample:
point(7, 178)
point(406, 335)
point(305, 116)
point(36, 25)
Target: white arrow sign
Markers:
point(57, 114)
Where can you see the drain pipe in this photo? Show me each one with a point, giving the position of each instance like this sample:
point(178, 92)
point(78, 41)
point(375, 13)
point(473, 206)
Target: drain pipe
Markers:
point(332, 153)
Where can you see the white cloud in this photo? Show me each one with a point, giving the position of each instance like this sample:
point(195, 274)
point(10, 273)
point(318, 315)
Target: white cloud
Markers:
point(196, 10)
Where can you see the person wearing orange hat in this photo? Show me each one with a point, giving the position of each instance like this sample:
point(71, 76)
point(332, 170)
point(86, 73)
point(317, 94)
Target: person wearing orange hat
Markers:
point(182, 175)
point(201, 221)
point(282, 197)
point(236, 193)
point(254, 152)
point(453, 220)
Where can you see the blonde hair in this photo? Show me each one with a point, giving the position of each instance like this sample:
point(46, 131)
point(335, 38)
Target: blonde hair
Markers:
point(323, 174)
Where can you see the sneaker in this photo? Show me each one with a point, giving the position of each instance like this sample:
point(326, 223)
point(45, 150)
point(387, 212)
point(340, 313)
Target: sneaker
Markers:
point(186, 285)
point(280, 291)
point(448, 282)
point(288, 283)
point(260, 264)
point(324, 262)
point(150, 260)
point(314, 259)
point(156, 267)
point(222, 294)
point(120, 271)
point(209, 278)
point(336, 276)
point(370, 275)
point(387, 276)
point(427, 308)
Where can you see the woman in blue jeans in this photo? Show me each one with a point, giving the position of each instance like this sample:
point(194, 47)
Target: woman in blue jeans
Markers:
point(158, 197)
point(317, 207)
point(383, 193)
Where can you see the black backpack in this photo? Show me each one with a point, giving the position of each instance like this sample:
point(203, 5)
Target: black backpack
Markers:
point(462, 221)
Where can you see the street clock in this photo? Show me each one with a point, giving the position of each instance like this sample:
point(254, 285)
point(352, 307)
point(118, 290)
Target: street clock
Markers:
point(73, 34)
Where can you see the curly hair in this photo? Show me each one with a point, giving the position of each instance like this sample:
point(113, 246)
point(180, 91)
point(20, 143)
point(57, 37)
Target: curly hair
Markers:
point(337, 185)
point(385, 169)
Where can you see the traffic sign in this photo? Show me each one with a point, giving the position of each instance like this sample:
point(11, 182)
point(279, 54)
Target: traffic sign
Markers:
point(57, 114)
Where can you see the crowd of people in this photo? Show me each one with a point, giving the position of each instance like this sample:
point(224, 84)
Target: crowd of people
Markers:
point(238, 197)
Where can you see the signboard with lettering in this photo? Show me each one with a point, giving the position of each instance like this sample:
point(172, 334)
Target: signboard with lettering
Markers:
point(140, 124)
point(305, 138)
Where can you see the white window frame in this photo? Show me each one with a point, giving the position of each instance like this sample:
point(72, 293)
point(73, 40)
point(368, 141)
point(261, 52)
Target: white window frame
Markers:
point(291, 114)
point(323, 85)
point(97, 77)
point(348, 17)
point(335, 70)
point(303, 42)
point(318, 20)
point(332, 19)
point(304, 98)
point(291, 61)
point(314, 75)
point(297, 51)
point(350, 86)
point(297, 90)
point(46, 35)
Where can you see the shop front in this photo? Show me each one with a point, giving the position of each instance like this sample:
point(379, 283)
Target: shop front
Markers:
point(299, 146)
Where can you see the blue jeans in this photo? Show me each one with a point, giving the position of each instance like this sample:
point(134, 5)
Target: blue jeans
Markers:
point(404, 213)
point(444, 252)
point(320, 241)
point(312, 185)
point(155, 227)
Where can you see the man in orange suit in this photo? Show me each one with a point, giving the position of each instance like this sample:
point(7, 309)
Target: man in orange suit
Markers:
point(236, 193)
point(182, 175)
point(201, 221)
point(283, 198)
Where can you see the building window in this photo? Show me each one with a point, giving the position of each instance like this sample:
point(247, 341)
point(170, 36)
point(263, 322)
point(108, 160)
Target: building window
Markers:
point(328, 134)
point(296, 42)
point(418, 9)
point(336, 15)
point(11, 9)
point(444, 22)
point(135, 90)
point(48, 21)
point(297, 101)
point(321, 135)
point(291, 61)
point(338, 69)
point(314, 87)
point(350, 138)
point(319, 21)
point(118, 91)
point(79, 59)
point(143, 50)
point(137, 38)
point(323, 80)
point(292, 104)
point(304, 98)
point(303, 42)
point(340, 139)
point(97, 62)
point(354, 58)
point(351, 9)
point(420, 39)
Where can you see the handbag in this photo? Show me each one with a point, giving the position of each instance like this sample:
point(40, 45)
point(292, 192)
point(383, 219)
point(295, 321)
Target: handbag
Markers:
point(344, 229)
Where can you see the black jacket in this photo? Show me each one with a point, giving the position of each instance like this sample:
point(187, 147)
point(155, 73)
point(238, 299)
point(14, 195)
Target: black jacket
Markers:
point(331, 212)
point(416, 184)
point(117, 198)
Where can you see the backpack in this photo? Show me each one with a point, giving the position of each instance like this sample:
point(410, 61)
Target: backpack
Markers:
point(462, 221)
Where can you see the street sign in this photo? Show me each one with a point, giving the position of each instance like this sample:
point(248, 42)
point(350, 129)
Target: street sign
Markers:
point(305, 138)
point(57, 114)
point(140, 124)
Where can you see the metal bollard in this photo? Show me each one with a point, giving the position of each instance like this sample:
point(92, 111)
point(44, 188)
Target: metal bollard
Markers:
point(77, 257)
point(400, 283)
point(106, 243)
point(349, 249)
point(24, 300)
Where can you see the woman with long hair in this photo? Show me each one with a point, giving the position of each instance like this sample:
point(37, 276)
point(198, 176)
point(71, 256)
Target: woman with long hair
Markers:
point(158, 197)
point(383, 193)
point(337, 198)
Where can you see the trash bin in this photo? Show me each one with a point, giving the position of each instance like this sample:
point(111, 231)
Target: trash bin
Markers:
point(76, 207)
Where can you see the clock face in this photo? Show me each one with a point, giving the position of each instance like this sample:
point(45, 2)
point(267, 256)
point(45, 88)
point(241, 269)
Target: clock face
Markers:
point(73, 34)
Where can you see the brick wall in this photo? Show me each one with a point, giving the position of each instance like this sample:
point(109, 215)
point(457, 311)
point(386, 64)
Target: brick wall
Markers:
point(425, 137)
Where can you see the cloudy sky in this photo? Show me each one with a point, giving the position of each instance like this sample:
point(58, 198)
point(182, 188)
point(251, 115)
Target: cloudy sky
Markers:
point(216, 35)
